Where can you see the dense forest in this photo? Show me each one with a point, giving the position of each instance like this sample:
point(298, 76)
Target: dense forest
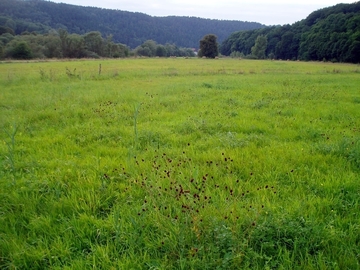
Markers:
point(129, 28)
point(329, 34)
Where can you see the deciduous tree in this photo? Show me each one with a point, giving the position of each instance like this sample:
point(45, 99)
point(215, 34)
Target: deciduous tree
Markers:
point(209, 46)
point(94, 42)
point(258, 50)
point(21, 51)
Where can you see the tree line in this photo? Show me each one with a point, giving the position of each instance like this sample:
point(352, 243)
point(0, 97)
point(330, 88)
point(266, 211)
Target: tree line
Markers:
point(329, 34)
point(61, 44)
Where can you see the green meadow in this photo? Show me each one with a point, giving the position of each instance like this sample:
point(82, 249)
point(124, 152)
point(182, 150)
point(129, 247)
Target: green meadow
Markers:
point(179, 164)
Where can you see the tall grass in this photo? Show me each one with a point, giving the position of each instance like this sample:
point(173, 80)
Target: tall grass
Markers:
point(179, 164)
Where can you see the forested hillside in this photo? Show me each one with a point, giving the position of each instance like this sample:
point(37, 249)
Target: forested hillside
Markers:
point(127, 28)
point(331, 34)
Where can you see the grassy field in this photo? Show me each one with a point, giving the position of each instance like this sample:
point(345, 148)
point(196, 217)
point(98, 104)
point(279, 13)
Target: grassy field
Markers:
point(179, 164)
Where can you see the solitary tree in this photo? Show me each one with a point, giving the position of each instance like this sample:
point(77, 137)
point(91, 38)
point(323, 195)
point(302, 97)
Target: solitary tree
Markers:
point(209, 46)
point(258, 50)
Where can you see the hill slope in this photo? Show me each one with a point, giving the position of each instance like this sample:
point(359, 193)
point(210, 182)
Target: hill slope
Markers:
point(128, 28)
point(331, 33)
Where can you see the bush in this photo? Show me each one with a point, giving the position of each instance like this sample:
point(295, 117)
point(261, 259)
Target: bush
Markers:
point(21, 51)
point(90, 54)
point(237, 54)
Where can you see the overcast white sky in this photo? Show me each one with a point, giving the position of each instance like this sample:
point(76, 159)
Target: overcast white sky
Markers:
point(266, 12)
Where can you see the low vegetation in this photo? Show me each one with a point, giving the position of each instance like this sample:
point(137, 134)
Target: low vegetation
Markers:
point(179, 164)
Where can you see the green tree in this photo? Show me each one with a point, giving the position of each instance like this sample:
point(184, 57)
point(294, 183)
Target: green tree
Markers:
point(121, 50)
point(209, 46)
point(63, 34)
point(109, 46)
point(21, 51)
point(283, 47)
point(355, 52)
point(6, 38)
point(258, 50)
point(160, 51)
point(52, 45)
point(171, 49)
point(5, 29)
point(94, 42)
point(148, 48)
point(75, 46)
point(143, 51)
point(72, 46)
point(1, 51)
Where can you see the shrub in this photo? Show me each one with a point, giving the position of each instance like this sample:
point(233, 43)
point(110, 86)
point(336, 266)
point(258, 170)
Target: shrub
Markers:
point(21, 51)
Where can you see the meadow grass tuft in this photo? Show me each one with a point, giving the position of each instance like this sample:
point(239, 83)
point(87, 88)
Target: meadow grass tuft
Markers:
point(179, 164)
